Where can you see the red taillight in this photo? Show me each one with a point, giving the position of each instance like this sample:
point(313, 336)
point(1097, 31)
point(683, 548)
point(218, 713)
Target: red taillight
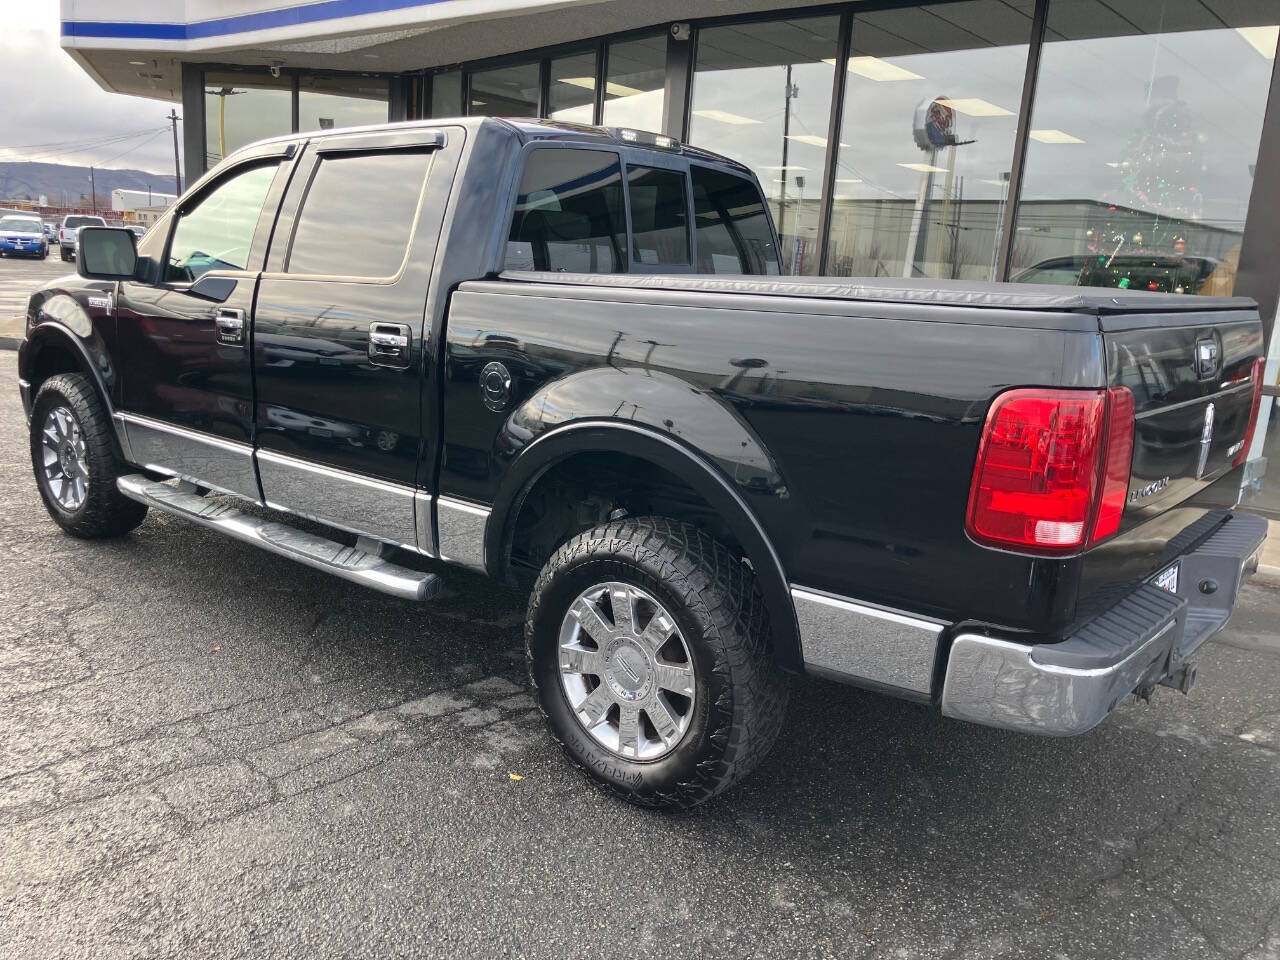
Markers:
point(1053, 469)
point(1259, 370)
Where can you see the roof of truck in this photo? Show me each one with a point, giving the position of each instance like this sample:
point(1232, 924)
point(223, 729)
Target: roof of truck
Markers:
point(532, 129)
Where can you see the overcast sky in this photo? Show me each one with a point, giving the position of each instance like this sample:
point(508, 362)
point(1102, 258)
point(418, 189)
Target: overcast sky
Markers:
point(54, 112)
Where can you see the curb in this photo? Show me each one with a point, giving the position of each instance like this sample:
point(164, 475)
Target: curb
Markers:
point(10, 343)
point(1268, 575)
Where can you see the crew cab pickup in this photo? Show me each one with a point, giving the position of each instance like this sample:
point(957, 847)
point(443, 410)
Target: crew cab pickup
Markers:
point(565, 357)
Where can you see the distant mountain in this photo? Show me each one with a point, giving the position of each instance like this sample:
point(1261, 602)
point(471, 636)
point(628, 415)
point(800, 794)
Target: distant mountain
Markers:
point(22, 180)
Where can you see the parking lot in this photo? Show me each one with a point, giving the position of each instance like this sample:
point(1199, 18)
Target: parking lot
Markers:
point(18, 277)
point(209, 751)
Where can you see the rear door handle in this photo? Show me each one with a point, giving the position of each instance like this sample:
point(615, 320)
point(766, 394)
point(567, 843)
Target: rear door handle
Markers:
point(389, 344)
point(229, 325)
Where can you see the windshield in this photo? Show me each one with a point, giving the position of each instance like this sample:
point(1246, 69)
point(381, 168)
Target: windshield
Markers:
point(84, 222)
point(18, 225)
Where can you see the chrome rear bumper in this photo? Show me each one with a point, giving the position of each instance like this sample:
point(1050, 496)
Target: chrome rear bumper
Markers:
point(1147, 638)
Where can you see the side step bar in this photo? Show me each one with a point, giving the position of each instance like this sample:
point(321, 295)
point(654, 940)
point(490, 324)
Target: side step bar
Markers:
point(349, 563)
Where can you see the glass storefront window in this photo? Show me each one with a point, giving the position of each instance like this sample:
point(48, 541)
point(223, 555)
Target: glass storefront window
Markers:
point(505, 92)
point(762, 95)
point(572, 94)
point(930, 115)
point(1143, 141)
point(325, 103)
point(633, 90)
point(240, 108)
point(446, 94)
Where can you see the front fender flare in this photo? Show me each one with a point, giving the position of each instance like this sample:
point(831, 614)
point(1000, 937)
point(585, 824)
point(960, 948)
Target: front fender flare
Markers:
point(606, 436)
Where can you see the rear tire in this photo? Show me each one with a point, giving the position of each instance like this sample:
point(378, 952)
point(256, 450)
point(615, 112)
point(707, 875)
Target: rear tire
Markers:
point(75, 460)
point(678, 576)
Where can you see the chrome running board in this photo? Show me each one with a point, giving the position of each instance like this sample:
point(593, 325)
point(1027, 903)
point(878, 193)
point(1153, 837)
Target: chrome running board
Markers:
point(357, 564)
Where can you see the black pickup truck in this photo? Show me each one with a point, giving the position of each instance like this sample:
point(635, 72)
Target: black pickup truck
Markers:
point(565, 357)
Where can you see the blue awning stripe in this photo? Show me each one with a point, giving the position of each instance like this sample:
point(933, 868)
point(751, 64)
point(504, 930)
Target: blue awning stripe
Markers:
point(242, 23)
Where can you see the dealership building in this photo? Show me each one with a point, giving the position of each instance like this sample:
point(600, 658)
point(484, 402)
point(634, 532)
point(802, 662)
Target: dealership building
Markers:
point(1122, 143)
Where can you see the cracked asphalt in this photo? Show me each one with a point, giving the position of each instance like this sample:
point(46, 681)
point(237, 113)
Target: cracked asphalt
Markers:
point(209, 751)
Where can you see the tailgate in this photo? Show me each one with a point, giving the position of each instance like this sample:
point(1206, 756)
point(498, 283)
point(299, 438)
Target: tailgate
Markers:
point(1190, 372)
point(1190, 375)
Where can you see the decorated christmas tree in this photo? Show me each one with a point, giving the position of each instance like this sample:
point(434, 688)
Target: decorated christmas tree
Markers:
point(1140, 238)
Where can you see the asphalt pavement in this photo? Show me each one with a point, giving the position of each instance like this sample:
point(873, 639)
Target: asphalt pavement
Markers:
point(208, 751)
point(18, 277)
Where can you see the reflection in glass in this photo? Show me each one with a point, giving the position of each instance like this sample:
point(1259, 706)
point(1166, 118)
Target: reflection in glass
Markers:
point(572, 94)
point(446, 94)
point(505, 92)
point(731, 224)
point(930, 115)
point(762, 95)
point(325, 103)
point(659, 217)
point(569, 214)
point(634, 90)
point(347, 193)
point(240, 108)
point(1143, 139)
point(217, 233)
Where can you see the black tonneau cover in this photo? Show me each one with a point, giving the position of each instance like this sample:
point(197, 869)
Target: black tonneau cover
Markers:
point(926, 290)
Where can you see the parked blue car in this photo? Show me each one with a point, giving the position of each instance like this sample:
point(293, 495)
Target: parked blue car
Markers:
point(23, 236)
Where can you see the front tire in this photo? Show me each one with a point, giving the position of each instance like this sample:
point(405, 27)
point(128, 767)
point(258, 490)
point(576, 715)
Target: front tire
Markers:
point(648, 643)
point(75, 460)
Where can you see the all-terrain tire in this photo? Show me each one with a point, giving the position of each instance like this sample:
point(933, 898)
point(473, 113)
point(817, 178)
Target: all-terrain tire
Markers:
point(740, 694)
point(105, 511)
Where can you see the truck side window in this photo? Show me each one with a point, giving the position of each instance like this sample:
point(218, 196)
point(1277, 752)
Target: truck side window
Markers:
point(659, 216)
point(358, 215)
point(569, 214)
point(217, 233)
point(732, 225)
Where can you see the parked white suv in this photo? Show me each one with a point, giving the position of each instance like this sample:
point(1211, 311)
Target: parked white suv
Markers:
point(71, 225)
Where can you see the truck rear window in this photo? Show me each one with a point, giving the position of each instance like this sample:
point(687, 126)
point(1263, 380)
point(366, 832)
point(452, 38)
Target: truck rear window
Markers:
point(659, 216)
point(732, 225)
point(569, 214)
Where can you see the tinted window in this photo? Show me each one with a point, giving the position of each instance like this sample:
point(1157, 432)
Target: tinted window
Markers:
point(659, 216)
point(240, 108)
point(731, 223)
point(328, 102)
point(505, 92)
point(216, 234)
point(1144, 173)
point(358, 213)
point(569, 214)
point(84, 222)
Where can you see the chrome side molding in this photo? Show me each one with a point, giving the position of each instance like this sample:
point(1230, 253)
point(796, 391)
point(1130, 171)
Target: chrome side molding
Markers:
point(461, 526)
point(338, 498)
point(863, 644)
point(213, 462)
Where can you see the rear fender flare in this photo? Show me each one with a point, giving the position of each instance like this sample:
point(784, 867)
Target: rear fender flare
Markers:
point(643, 442)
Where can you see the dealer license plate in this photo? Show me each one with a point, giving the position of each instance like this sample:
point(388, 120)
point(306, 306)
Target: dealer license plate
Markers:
point(1167, 579)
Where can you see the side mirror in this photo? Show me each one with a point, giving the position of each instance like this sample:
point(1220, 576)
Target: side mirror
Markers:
point(106, 253)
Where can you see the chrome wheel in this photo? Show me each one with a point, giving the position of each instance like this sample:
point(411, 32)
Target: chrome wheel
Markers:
point(626, 671)
point(62, 448)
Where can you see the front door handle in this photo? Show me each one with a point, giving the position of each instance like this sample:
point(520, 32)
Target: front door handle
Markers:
point(389, 344)
point(229, 326)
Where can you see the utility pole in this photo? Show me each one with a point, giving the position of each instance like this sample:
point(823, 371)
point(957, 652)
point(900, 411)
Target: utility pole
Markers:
point(177, 170)
point(93, 192)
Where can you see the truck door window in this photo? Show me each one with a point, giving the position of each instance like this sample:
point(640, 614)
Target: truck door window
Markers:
point(358, 215)
point(217, 233)
point(731, 225)
point(659, 216)
point(569, 214)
